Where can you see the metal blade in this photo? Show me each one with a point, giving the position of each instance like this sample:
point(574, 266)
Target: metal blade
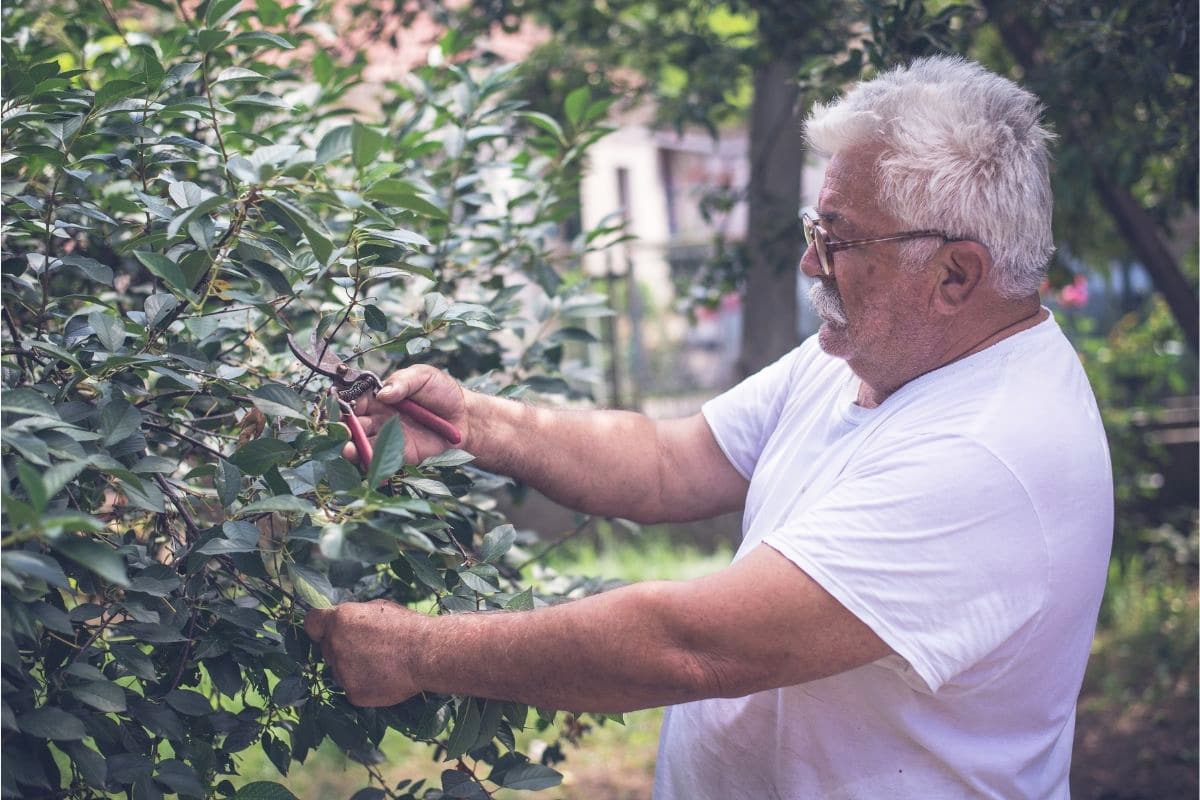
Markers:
point(326, 364)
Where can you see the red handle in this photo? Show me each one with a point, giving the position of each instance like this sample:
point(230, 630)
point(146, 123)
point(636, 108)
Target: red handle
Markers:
point(359, 436)
point(426, 418)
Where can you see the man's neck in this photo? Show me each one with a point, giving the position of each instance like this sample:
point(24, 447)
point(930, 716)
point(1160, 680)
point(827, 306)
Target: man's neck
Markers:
point(1016, 316)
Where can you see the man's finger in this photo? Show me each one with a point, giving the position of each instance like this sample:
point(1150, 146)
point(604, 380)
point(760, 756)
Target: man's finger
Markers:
point(317, 622)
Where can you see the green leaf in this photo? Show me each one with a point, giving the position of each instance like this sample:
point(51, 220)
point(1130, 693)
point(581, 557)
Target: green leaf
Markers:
point(178, 74)
point(576, 103)
point(99, 558)
point(477, 583)
point(497, 542)
point(448, 458)
point(317, 239)
point(466, 729)
point(365, 144)
point(109, 330)
point(389, 453)
point(91, 765)
point(90, 267)
point(259, 455)
point(334, 144)
point(240, 537)
point(228, 481)
point(279, 503)
point(51, 723)
point(119, 419)
point(166, 269)
point(403, 195)
point(263, 790)
point(399, 236)
point(35, 565)
point(261, 39)
point(209, 40)
point(543, 121)
point(103, 696)
point(219, 12)
point(237, 74)
point(375, 318)
point(530, 777)
point(31, 480)
point(115, 90)
point(158, 307)
point(180, 778)
point(193, 704)
point(311, 586)
point(522, 601)
point(425, 571)
point(278, 401)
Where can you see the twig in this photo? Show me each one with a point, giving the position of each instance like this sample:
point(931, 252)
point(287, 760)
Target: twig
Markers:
point(578, 530)
point(187, 652)
point(169, 491)
point(184, 438)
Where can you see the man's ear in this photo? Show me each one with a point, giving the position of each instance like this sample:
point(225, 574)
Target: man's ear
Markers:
point(964, 267)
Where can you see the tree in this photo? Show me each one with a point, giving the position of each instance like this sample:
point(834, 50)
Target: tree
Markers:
point(182, 187)
point(1128, 155)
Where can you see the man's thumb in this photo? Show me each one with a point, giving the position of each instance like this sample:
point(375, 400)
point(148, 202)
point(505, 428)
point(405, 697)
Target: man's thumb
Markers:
point(316, 622)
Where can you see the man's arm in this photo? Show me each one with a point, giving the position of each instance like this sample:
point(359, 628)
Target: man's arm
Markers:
point(758, 624)
point(610, 463)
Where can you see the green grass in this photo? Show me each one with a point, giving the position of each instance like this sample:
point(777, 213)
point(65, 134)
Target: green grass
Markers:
point(1147, 639)
point(613, 761)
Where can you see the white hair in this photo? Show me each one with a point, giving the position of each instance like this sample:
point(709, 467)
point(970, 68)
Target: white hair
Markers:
point(962, 151)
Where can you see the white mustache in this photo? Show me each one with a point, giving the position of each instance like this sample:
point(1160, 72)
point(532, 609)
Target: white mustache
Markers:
point(827, 303)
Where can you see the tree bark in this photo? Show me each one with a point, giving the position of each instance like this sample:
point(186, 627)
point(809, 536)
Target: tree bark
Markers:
point(773, 237)
point(1135, 226)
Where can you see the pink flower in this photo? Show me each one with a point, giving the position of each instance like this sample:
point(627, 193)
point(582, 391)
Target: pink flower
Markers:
point(1075, 295)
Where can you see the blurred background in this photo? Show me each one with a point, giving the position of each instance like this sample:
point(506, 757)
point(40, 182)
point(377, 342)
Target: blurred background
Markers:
point(705, 171)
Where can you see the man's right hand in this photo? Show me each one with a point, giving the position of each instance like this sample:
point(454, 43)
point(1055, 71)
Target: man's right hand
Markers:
point(431, 388)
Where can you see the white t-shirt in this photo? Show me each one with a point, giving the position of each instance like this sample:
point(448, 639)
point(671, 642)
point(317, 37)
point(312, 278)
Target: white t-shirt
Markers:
point(968, 521)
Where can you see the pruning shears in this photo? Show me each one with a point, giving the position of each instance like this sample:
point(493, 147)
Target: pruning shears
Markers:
point(349, 384)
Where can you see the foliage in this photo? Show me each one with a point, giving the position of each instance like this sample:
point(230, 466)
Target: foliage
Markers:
point(1134, 369)
point(183, 186)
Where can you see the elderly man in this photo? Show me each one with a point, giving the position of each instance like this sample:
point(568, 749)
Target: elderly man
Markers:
point(926, 491)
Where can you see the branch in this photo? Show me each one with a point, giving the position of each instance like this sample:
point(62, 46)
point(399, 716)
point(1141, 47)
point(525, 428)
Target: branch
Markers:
point(1135, 226)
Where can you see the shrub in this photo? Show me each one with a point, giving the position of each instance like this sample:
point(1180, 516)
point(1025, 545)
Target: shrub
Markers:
point(184, 185)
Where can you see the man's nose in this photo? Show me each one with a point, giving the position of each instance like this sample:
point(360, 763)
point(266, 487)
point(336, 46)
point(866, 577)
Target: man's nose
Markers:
point(810, 262)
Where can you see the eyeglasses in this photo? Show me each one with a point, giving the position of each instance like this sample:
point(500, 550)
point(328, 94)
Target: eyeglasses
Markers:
point(819, 238)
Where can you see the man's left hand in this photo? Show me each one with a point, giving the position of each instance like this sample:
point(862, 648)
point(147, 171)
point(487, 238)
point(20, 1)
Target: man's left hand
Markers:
point(362, 643)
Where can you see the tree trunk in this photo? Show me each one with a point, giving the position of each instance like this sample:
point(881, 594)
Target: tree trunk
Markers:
point(773, 237)
point(1135, 226)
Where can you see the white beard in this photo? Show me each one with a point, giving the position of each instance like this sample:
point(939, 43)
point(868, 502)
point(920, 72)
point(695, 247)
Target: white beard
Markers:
point(827, 303)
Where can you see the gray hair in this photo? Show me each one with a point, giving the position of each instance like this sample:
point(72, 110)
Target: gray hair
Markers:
point(962, 152)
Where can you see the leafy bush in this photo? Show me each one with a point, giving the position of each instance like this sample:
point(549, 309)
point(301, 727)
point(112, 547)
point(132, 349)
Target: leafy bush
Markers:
point(182, 187)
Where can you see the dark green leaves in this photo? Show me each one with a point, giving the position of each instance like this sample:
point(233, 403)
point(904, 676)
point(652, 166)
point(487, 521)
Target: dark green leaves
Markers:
point(278, 401)
point(389, 453)
point(263, 790)
point(318, 238)
point(365, 144)
point(174, 494)
point(100, 695)
point(119, 419)
point(99, 558)
point(259, 455)
point(529, 777)
point(167, 270)
point(51, 723)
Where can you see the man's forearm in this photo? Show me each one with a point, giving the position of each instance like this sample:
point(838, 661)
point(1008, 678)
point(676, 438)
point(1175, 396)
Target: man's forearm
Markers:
point(607, 653)
point(608, 463)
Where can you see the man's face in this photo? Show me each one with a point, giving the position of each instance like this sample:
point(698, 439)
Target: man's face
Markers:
point(876, 315)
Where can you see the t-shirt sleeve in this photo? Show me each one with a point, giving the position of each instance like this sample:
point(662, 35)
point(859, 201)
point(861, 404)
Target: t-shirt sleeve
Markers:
point(743, 418)
point(931, 542)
